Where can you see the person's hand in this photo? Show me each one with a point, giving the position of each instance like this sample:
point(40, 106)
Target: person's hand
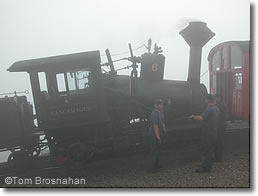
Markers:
point(159, 141)
point(191, 117)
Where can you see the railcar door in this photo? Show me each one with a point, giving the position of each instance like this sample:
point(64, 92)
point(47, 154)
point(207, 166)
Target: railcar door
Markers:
point(237, 62)
point(223, 86)
point(237, 93)
point(229, 85)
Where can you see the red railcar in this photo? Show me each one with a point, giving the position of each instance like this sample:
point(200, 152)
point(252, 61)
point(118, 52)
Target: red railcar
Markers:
point(229, 76)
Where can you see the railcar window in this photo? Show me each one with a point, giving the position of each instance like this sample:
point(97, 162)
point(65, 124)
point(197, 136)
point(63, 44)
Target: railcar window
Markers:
point(238, 80)
point(236, 57)
point(214, 81)
point(225, 57)
point(216, 61)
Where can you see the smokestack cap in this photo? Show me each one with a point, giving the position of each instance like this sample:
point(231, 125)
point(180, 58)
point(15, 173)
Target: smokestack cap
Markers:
point(197, 34)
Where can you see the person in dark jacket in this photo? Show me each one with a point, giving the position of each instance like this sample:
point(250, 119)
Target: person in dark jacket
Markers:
point(157, 132)
point(218, 154)
point(209, 119)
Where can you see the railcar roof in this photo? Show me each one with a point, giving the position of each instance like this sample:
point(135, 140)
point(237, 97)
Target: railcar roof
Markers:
point(61, 62)
point(244, 45)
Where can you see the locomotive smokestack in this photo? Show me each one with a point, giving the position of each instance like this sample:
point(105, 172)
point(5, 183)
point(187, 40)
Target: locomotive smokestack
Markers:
point(196, 34)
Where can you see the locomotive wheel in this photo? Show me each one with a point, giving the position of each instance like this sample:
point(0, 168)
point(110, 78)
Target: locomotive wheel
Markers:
point(79, 154)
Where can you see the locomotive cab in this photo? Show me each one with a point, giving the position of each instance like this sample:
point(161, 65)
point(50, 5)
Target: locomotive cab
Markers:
point(66, 89)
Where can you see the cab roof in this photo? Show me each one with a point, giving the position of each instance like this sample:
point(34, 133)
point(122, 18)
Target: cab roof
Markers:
point(57, 63)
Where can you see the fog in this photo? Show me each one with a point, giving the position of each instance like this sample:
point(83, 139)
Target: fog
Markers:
point(34, 29)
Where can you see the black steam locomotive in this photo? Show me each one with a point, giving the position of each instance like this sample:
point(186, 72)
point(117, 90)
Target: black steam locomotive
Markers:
point(81, 108)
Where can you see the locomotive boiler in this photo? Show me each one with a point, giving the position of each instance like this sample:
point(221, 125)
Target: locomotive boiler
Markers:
point(81, 108)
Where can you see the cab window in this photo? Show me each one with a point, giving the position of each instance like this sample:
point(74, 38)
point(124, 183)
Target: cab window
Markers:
point(79, 81)
point(74, 82)
point(60, 78)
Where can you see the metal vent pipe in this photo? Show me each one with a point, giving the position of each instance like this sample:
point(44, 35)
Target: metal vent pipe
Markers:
point(196, 34)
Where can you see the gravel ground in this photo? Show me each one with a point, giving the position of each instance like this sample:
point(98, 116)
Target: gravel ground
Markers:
point(177, 171)
point(179, 159)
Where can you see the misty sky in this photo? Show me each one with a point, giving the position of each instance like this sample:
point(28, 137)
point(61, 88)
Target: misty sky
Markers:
point(40, 28)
